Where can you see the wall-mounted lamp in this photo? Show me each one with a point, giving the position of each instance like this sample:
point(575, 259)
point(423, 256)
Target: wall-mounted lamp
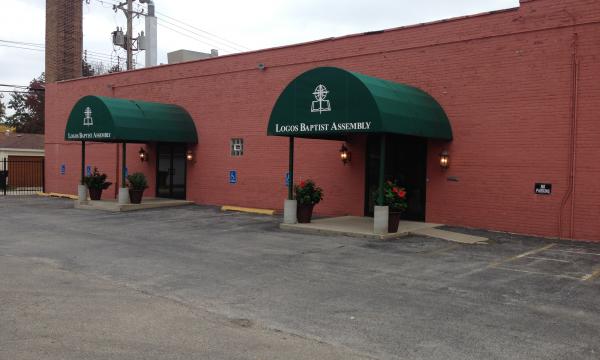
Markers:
point(261, 67)
point(143, 155)
point(444, 159)
point(189, 155)
point(345, 155)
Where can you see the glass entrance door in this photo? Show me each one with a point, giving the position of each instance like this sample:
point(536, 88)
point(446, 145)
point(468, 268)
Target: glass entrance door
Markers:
point(406, 163)
point(171, 171)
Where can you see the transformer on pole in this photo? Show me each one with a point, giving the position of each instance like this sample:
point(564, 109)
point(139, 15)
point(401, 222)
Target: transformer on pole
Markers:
point(145, 41)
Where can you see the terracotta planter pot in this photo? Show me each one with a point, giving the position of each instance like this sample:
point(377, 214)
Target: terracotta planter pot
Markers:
point(95, 194)
point(135, 196)
point(304, 213)
point(394, 220)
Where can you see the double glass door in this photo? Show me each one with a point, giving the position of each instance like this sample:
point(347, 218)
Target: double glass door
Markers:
point(171, 171)
point(406, 163)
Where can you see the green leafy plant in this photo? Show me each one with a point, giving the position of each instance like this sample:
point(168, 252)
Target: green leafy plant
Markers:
point(394, 196)
point(96, 180)
point(308, 193)
point(137, 181)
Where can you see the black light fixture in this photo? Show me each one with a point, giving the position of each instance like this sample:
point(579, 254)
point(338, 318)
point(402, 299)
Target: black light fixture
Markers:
point(345, 155)
point(444, 159)
point(143, 155)
point(189, 155)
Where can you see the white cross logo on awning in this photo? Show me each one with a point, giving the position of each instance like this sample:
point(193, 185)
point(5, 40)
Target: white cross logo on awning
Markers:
point(88, 120)
point(321, 104)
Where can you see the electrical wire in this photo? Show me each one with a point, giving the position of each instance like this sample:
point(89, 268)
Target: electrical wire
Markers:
point(15, 86)
point(21, 47)
point(184, 34)
point(22, 43)
point(211, 42)
point(236, 45)
point(198, 37)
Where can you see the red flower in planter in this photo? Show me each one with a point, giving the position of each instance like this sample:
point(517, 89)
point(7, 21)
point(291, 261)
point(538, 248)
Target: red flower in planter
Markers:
point(302, 183)
point(402, 194)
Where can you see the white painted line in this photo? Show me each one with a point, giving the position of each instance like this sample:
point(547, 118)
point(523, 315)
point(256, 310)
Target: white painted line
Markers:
point(520, 256)
point(595, 274)
point(537, 273)
point(548, 259)
point(577, 252)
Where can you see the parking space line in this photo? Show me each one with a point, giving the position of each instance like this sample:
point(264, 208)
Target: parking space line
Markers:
point(520, 256)
point(577, 252)
point(536, 273)
point(548, 259)
point(593, 275)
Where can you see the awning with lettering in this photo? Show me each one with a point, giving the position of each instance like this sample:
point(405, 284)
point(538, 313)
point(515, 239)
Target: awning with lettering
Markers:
point(106, 119)
point(328, 102)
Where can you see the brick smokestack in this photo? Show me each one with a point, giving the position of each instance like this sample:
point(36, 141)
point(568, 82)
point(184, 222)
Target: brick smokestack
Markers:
point(64, 39)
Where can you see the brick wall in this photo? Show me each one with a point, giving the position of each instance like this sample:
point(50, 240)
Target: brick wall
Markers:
point(506, 80)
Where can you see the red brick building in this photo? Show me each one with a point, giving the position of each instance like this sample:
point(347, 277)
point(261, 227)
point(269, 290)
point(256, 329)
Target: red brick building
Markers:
point(521, 89)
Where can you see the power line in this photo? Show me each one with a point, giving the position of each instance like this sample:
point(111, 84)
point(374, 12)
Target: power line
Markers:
point(199, 37)
point(15, 86)
point(21, 47)
point(160, 23)
point(237, 45)
point(218, 39)
point(20, 91)
point(22, 43)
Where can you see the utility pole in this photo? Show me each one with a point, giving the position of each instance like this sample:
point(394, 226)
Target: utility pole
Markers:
point(127, 41)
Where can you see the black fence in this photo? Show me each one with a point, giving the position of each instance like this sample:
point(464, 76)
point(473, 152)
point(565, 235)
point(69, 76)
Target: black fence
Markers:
point(21, 175)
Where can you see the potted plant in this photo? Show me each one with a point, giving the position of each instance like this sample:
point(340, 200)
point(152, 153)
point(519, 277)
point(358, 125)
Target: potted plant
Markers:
point(308, 194)
point(96, 182)
point(394, 197)
point(137, 183)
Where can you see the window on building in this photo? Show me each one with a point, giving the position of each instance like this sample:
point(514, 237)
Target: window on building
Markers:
point(237, 147)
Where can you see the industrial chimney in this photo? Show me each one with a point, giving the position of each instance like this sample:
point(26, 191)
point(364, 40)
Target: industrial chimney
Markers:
point(64, 39)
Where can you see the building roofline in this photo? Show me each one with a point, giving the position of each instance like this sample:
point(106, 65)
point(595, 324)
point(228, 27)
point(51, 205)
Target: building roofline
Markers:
point(335, 38)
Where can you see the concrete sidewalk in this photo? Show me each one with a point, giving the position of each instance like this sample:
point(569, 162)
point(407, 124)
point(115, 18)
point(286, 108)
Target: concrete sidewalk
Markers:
point(357, 226)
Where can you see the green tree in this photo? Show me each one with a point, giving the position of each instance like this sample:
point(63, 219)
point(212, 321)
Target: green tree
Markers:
point(2, 109)
point(28, 107)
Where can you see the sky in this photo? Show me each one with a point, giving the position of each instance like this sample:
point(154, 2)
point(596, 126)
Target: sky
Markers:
point(238, 25)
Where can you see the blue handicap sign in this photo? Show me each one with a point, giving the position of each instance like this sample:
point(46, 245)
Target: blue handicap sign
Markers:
point(63, 169)
point(287, 179)
point(126, 171)
point(88, 170)
point(233, 177)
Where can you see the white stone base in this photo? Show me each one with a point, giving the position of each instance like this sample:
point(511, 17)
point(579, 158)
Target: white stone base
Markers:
point(124, 196)
point(380, 223)
point(289, 212)
point(82, 193)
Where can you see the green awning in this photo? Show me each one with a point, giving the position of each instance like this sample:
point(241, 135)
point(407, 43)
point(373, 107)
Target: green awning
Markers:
point(106, 119)
point(329, 102)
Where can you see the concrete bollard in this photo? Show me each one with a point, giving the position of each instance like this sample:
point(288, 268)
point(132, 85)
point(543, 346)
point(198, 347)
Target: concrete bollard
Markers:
point(82, 193)
point(123, 196)
point(380, 223)
point(289, 212)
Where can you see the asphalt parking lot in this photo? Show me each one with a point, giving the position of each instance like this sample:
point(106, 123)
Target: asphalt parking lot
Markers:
point(193, 282)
